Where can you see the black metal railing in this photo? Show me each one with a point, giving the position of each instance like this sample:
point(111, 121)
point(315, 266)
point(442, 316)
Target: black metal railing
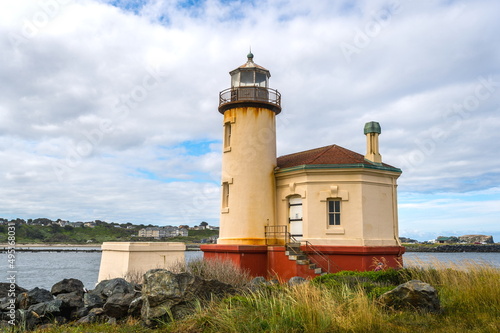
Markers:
point(250, 94)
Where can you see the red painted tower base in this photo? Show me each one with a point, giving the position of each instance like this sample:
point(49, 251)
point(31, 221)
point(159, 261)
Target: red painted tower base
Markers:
point(272, 262)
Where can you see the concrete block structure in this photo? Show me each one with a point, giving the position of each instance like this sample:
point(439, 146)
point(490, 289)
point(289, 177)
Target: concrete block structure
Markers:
point(121, 258)
point(303, 214)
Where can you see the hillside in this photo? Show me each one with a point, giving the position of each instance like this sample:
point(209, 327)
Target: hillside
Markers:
point(38, 234)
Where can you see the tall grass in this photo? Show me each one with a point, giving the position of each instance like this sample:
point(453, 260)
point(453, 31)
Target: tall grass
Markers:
point(470, 300)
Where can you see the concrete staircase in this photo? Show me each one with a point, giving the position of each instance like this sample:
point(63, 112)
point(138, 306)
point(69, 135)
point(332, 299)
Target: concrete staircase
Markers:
point(293, 251)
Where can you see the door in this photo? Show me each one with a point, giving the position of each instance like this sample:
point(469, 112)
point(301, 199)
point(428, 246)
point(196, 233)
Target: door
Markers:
point(295, 216)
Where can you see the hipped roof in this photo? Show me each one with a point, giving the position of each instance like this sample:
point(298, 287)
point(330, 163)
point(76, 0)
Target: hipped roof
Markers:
point(334, 155)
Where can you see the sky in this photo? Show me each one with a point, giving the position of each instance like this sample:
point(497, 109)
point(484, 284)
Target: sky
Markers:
point(108, 109)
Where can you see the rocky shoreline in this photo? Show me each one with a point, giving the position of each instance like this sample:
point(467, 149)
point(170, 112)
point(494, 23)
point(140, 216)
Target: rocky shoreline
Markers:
point(450, 248)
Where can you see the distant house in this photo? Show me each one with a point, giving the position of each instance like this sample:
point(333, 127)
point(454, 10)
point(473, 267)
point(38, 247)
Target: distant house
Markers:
point(443, 239)
point(89, 224)
point(162, 232)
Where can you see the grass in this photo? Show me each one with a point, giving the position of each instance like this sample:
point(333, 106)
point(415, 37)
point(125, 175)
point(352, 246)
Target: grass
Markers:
point(344, 302)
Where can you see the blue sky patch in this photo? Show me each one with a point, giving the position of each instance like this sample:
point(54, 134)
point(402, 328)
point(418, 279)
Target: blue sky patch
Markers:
point(133, 6)
point(196, 148)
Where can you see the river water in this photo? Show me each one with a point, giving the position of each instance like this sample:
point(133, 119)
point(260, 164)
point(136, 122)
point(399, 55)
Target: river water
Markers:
point(44, 269)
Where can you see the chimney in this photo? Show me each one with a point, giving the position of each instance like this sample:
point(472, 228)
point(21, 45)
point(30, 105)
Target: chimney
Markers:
point(372, 131)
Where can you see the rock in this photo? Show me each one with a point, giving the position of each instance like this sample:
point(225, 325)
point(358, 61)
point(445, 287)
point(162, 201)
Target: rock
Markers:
point(53, 308)
point(135, 307)
point(33, 296)
point(72, 303)
point(6, 288)
point(166, 294)
point(296, 280)
point(72, 300)
point(471, 239)
point(107, 288)
point(67, 286)
point(80, 313)
point(257, 283)
point(413, 294)
point(92, 300)
point(7, 303)
point(117, 305)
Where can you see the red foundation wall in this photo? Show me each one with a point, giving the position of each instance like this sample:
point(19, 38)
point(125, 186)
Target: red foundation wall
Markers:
point(248, 257)
point(271, 261)
point(357, 258)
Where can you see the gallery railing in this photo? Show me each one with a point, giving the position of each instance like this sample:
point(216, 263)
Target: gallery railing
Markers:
point(242, 94)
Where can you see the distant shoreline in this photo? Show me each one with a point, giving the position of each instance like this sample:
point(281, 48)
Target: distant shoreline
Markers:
point(38, 247)
point(18, 245)
point(454, 248)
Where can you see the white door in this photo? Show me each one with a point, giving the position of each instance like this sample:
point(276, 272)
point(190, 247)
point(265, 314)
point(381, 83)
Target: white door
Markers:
point(295, 217)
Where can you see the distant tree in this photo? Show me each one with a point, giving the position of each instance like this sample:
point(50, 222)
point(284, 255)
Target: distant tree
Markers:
point(34, 234)
point(203, 224)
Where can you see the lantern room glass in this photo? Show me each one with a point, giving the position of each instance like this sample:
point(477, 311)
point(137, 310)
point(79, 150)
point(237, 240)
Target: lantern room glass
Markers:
point(249, 78)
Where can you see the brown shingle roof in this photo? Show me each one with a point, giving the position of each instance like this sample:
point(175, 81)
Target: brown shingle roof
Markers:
point(333, 154)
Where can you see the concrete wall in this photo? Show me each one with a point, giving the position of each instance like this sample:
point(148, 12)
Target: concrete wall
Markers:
point(120, 258)
point(368, 205)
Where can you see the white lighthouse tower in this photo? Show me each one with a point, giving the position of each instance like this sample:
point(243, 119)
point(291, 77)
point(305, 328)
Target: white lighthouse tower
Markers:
point(249, 158)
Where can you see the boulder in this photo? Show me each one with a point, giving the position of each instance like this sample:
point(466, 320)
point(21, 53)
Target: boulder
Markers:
point(72, 300)
point(72, 303)
point(53, 308)
point(33, 296)
point(296, 280)
point(92, 300)
point(6, 288)
point(166, 294)
point(67, 286)
point(117, 305)
point(95, 315)
point(135, 307)
point(106, 288)
point(258, 282)
point(413, 294)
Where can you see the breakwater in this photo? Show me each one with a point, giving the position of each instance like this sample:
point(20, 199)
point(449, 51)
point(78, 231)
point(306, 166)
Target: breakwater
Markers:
point(454, 248)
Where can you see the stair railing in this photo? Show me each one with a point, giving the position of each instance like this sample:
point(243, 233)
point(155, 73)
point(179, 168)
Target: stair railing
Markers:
point(325, 261)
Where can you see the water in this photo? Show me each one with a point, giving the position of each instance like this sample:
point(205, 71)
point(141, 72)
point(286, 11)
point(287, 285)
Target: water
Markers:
point(44, 269)
point(453, 260)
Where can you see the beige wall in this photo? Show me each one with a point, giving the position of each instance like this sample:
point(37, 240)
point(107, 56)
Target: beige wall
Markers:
point(120, 258)
point(368, 205)
point(248, 167)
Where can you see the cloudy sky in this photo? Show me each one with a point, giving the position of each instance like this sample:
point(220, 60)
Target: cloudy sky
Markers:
point(108, 109)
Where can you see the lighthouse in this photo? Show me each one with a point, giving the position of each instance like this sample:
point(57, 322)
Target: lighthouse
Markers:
point(249, 108)
point(307, 213)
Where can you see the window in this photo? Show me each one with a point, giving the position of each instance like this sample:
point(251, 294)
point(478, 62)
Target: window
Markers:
point(225, 195)
point(333, 212)
point(246, 78)
point(227, 135)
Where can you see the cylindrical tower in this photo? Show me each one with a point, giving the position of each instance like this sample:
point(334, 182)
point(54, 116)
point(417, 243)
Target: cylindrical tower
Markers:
point(249, 157)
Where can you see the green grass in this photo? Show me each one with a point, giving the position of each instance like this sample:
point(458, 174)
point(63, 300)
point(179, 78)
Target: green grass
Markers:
point(344, 302)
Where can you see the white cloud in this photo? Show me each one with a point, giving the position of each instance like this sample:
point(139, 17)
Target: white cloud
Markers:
point(98, 100)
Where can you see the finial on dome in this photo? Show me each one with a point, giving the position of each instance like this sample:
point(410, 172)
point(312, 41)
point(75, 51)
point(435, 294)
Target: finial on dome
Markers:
point(250, 55)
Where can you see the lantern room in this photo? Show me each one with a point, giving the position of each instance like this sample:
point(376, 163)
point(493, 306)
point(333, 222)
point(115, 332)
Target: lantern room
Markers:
point(250, 75)
point(250, 83)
